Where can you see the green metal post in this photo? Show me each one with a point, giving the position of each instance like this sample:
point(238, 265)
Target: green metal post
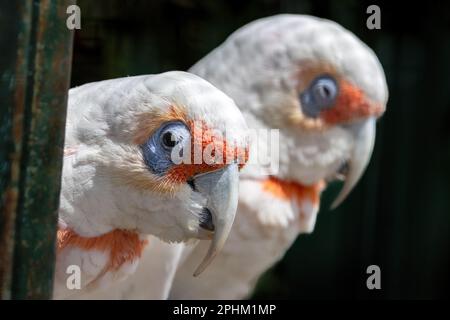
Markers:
point(35, 63)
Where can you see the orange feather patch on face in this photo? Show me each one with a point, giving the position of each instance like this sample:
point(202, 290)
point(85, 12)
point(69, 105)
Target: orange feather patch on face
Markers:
point(209, 152)
point(351, 104)
point(122, 245)
point(203, 139)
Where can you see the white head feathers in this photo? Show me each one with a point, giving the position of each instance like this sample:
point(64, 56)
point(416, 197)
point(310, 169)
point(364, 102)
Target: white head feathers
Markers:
point(271, 48)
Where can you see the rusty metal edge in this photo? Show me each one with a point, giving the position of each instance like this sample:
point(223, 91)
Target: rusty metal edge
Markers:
point(11, 194)
point(33, 278)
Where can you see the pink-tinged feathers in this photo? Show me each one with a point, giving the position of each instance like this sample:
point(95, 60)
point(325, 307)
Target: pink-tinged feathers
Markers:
point(69, 151)
point(122, 245)
point(202, 137)
point(307, 198)
point(351, 104)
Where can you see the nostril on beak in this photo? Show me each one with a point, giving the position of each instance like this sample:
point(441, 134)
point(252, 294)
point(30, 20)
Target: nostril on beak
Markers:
point(206, 220)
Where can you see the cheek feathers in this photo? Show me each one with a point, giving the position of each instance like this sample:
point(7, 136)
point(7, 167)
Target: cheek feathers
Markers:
point(351, 104)
point(209, 152)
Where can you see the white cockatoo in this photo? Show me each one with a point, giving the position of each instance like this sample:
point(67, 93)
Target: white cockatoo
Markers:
point(122, 179)
point(323, 89)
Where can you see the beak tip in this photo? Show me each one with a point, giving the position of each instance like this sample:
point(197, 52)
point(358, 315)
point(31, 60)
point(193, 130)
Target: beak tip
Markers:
point(198, 272)
point(205, 263)
point(336, 203)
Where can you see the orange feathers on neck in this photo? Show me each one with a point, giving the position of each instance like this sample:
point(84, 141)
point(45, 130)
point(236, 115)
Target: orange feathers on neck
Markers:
point(123, 245)
point(288, 190)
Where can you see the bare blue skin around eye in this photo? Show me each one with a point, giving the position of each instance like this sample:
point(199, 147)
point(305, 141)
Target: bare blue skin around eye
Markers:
point(312, 102)
point(157, 156)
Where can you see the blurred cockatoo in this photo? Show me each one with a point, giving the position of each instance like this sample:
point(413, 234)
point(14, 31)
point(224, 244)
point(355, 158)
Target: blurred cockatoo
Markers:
point(323, 89)
point(121, 181)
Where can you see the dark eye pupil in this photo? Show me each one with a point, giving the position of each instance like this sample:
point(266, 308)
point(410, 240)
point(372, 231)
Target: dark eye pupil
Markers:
point(169, 140)
point(326, 91)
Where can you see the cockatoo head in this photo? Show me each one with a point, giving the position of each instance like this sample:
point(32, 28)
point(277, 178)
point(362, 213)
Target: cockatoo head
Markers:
point(148, 158)
point(312, 79)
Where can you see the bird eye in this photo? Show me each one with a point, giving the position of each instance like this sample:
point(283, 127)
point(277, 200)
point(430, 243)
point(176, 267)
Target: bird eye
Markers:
point(168, 140)
point(173, 133)
point(321, 94)
point(157, 151)
point(324, 90)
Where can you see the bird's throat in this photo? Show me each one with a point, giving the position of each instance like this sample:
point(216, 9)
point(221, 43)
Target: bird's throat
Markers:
point(289, 190)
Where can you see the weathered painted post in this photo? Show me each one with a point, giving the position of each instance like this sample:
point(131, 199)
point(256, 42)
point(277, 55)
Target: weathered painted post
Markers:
point(35, 63)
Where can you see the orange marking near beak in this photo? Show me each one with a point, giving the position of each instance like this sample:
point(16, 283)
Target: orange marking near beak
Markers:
point(123, 245)
point(287, 190)
point(201, 139)
point(205, 143)
point(351, 104)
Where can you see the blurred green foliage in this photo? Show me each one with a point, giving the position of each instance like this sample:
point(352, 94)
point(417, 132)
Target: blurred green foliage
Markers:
point(399, 215)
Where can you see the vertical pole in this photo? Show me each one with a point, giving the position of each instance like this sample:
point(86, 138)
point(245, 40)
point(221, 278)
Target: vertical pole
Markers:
point(15, 19)
point(35, 77)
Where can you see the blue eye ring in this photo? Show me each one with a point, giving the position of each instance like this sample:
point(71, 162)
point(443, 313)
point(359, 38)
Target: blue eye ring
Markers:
point(170, 138)
point(321, 94)
point(325, 90)
point(157, 150)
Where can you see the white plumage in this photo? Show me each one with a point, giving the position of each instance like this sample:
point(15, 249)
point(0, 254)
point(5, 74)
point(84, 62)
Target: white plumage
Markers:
point(263, 67)
point(111, 198)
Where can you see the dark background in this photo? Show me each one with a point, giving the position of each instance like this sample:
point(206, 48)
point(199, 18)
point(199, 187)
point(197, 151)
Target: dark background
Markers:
point(399, 215)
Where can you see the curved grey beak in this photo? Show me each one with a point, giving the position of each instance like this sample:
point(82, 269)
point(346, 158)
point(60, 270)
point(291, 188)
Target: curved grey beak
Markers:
point(364, 134)
point(221, 190)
